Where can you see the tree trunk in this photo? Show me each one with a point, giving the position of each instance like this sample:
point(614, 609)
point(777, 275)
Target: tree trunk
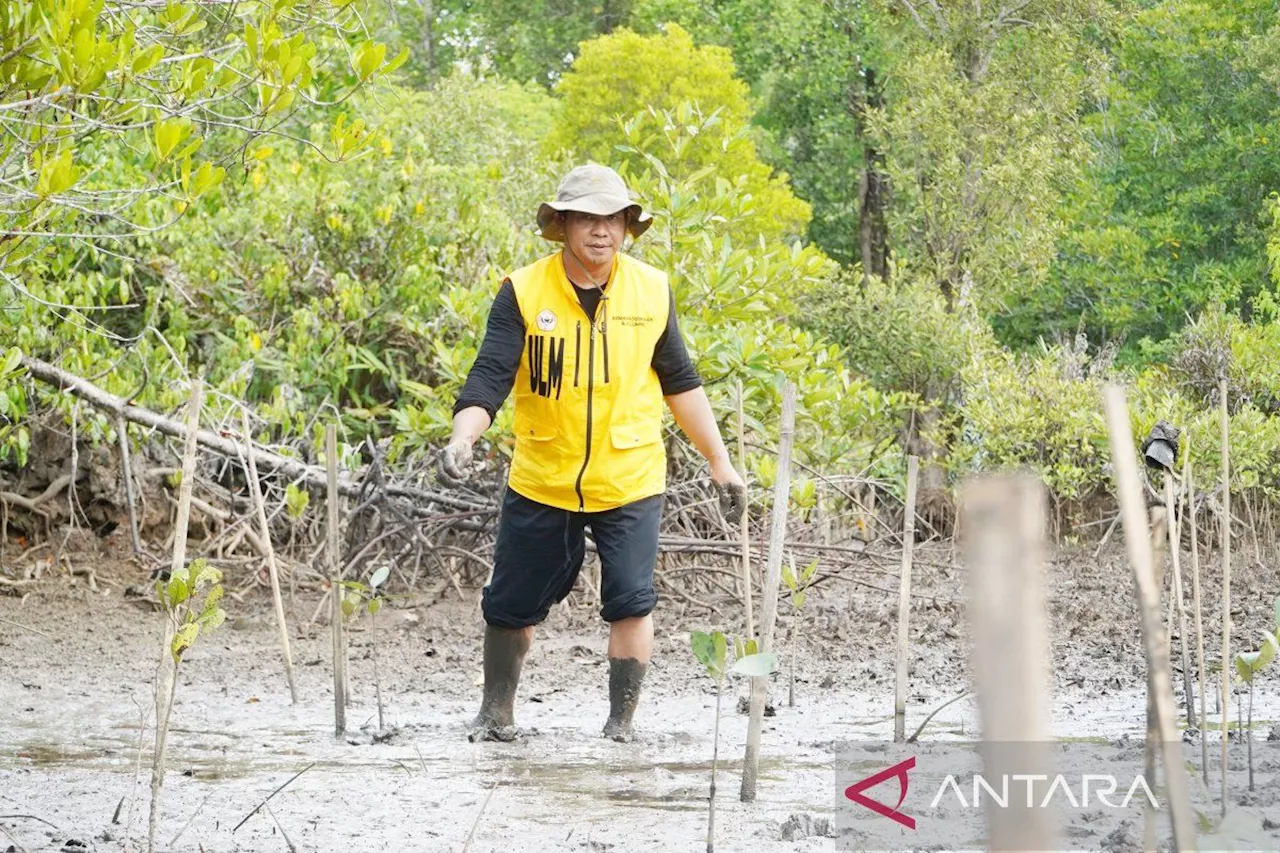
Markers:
point(873, 236)
point(934, 503)
point(429, 34)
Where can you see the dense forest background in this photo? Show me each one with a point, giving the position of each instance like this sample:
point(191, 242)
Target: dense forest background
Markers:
point(948, 221)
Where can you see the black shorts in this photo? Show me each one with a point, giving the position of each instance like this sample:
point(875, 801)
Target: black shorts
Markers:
point(540, 551)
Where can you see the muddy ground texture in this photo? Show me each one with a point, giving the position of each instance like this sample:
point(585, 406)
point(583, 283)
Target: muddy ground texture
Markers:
point(76, 671)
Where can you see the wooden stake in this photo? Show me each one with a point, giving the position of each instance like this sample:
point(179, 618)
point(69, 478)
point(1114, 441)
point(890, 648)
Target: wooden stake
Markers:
point(255, 492)
point(1159, 534)
point(335, 585)
point(777, 536)
point(1195, 590)
point(166, 674)
point(1226, 578)
point(1175, 549)
point(1138, 544)
point(746, 530)
point(1005, 520)
point(904, 603)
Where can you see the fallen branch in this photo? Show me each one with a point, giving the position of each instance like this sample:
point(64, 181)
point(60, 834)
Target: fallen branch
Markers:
point(272, 794)
point(920, 729)
point(26, 628)
point(309, 475)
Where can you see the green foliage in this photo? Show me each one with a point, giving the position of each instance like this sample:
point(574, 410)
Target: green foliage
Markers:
point(184, 81)
point(296, 501)
point(1249, 664)
point(682, 103)
point(798, 584)
point(710, 649)
point(977, 168)
point(366, 597)
point(192, 596)
point(1218, 345)
point(756, 665)
point(1169, 216)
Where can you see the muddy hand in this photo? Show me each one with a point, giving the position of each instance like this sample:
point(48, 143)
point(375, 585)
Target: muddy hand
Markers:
point(733, 500)
point(455, 461)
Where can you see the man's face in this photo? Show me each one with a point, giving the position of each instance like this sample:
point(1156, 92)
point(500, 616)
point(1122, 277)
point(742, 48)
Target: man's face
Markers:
point(595, 239)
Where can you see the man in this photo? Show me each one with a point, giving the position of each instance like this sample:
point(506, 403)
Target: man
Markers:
point(589, 338)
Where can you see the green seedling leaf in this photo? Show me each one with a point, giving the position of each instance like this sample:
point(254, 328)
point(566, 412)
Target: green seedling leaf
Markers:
point(1245, 663)
point(756, 664)
point(704, 648)
point(789, 574)
point(809, 572)
point(179, 587)
point(374, 606)
point(798, 599)
point(1267, 653)
point(721, 649)
point(183, 640)
point(204, 574)
point(379, 577)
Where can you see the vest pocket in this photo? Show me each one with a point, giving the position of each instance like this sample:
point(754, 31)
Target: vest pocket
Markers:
point(635, 434)
point(533, 429)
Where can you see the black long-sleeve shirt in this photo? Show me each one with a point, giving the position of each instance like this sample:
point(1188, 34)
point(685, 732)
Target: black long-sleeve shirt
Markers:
point(494, 372)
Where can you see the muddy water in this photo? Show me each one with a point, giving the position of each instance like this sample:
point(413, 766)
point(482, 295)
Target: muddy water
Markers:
point(71, 704)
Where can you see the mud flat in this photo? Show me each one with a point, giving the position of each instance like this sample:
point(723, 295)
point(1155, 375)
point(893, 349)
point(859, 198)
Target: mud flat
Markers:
point(73, 696)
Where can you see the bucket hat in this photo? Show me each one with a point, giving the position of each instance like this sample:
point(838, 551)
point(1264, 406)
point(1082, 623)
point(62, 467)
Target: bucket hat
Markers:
point(593, 189)
point(1160, 450)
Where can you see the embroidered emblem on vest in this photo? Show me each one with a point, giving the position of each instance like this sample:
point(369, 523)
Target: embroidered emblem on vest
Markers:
point(546, 320)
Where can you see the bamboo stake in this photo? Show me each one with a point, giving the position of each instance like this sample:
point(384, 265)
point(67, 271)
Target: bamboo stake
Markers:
point(255, 492)
point(1159, 534)
point(777, 536)
point(904, 603)
point(746, 534)
point(1226, 578)
point(166, 675)
point(1195, 589)
point(1159, 683)
point(335, 586)
point(1175, 548)
point(1005, 545)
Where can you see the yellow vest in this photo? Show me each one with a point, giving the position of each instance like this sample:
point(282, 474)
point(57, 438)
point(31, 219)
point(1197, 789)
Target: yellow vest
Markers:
point(588, 405)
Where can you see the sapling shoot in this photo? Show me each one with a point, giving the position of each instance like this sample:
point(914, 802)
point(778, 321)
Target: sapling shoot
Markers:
point(798, 587)
point(357, 597)
point(711, 650)
point(1248, 665)
point(191, 597)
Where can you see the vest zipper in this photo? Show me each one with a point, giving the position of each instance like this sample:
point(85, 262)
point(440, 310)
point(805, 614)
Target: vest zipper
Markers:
point(577, 353)
point(604, 342)
point(591, 374)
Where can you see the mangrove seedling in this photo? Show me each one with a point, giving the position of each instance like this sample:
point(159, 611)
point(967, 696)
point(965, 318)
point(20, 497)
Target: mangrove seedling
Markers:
point(798, 587)
point(364, 597)
point(711, 650)
point(1248, 665)
point(191, 597)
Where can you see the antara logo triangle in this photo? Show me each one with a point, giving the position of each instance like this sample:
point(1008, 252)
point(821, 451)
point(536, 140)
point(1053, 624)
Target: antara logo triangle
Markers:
point(854, 792)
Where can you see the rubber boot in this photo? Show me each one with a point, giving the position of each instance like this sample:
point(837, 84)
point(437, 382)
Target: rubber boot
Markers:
point(625, 677)
point(504, 651)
